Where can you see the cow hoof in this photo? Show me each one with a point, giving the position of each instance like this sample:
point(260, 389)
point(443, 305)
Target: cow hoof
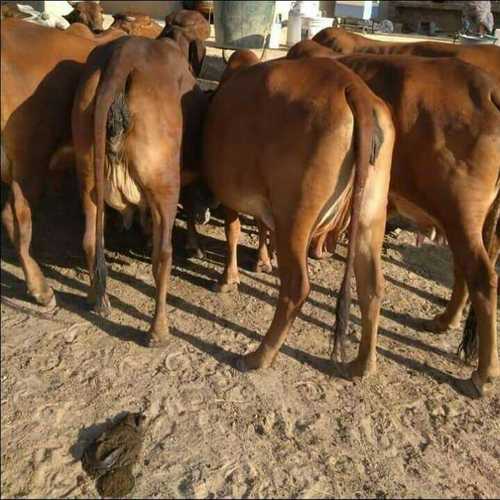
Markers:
point(262, 267)
point(103, 309)
point(159, 332)
point(46, 299)
point(195, 253)
point(155, 341)
point(316, 255)
point(483, 388)
point(256, 360)
point(359, 369)
point(438, 324)
point(223, 287)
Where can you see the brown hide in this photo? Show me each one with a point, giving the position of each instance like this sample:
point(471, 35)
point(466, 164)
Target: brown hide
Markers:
point(40, 69)
point(281, 141)
point(238, 60)
point(190, 30)
point(88, 13)
point(344, 42)
point(81, 30)
point(137, 24)
point(446, 175)
point(137, 117)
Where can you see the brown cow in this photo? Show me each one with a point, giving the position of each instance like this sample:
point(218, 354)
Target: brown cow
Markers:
point(288, 161)
point(345, 42)
point(40, 69)
point(134, 101)
point(241, 59)
point(190, 30)
point(446, 175)
point(136, 24)
point(88, 13)
point(80, 29)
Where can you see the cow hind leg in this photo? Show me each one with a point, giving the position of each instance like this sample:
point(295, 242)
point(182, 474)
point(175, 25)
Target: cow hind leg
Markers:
point(469, 252)
point(294, 289)
point(370, 285)
point(317, 247)
point(193, 247)
point(230, 278)
point(452, 315)
point(89, 246)
point(163, 204)
point(263, 264)
point(17, 219)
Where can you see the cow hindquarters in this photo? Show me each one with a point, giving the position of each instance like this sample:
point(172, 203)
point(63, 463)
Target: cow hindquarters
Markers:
point(17, 219)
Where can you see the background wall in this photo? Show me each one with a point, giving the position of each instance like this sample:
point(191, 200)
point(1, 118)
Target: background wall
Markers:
point(158, 10)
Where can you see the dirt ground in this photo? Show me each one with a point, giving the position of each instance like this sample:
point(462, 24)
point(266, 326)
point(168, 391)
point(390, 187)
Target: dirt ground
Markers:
point(294, 430)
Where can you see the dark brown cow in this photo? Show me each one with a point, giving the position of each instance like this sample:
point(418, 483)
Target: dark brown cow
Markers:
point(344, 42)
point(136, 24)
point(135, 99)
point(88, 13)
point(446, 175)
point(190, 30)
point(288, 160)
point(40, 69)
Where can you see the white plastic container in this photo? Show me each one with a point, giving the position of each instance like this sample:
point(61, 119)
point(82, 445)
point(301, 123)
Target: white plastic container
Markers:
point(313, 25)
point(293, 34)
point(275, 38)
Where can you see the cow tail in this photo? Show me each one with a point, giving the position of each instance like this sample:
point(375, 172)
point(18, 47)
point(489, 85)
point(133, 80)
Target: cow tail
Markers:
point(469, 344)
point(113, 79)
point(368, 139)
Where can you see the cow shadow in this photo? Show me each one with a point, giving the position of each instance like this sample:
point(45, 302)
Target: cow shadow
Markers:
point(57, 241)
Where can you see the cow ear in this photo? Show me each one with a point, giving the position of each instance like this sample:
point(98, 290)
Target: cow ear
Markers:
point(73, 4)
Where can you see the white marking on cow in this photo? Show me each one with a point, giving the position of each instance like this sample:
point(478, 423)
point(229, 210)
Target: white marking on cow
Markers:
point(120, 189)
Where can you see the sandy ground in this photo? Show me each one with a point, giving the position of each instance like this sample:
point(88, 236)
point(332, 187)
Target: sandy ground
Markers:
point(294, 430)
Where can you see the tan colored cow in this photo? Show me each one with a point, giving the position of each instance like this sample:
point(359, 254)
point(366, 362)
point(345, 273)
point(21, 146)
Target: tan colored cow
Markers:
point(136, 24)
point(281, 141)
point(40, 69)
point(137, 117)
point(446, 174)
point(88, 13)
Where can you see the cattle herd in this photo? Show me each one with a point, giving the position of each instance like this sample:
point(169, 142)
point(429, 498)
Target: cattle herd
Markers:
point(336, 136)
